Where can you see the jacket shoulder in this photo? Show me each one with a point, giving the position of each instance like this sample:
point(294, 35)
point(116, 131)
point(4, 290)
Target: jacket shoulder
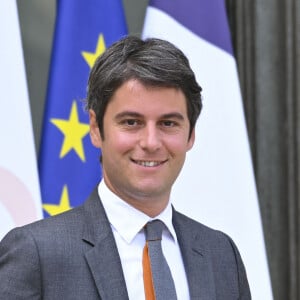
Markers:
point(218, 249)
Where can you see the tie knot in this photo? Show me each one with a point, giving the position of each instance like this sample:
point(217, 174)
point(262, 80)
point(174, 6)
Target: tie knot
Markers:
point(153, 230)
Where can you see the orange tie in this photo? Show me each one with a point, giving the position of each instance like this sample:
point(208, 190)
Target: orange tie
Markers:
point(147, 275)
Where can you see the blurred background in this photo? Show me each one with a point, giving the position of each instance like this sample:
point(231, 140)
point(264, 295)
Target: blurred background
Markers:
point(266, 40)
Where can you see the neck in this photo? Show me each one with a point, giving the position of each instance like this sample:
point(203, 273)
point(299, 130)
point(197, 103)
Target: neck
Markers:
point(151, 205)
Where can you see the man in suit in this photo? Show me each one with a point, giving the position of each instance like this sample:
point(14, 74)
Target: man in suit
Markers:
point(143, 102)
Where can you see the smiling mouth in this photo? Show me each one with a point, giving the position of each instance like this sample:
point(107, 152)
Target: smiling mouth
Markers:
point(148, 163)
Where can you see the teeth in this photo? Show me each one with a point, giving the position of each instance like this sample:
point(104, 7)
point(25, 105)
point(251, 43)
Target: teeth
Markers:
point(148, 163)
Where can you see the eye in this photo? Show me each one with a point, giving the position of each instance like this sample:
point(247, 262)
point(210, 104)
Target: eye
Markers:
point(131, 122)
point(168, 123)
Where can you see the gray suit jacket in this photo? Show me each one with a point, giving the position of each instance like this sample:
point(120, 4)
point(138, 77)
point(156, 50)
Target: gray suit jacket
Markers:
point(74, 256)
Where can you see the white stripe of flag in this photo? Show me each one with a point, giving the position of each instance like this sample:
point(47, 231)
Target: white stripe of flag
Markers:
point(19, 186)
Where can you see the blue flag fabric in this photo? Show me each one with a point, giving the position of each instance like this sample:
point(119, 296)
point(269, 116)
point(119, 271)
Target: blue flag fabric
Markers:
point(69, 166)
point(204, 18)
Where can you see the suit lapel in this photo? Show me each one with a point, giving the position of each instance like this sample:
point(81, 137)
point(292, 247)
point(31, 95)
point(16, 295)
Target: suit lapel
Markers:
point(105, 264)
point(103, 257)
point(197, 264)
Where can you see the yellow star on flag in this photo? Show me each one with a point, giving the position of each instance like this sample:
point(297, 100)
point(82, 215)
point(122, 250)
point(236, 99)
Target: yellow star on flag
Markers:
point(64, 205)
point(91, 57)
point(74, 132)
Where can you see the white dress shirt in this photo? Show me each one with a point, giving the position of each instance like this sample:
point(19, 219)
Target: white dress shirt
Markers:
point(127, 225)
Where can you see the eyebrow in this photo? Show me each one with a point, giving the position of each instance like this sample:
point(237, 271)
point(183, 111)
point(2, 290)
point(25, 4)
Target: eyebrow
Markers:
point(124, 114)
point(173, 115)
point(133, 114)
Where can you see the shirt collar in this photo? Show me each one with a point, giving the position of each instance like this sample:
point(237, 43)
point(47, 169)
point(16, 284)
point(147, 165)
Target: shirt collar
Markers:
point(127, 220)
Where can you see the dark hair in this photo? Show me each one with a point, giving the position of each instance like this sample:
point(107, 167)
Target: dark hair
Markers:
point(154, 62)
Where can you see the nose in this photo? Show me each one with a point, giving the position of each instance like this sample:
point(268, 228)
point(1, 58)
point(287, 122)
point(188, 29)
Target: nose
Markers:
point(150, 138)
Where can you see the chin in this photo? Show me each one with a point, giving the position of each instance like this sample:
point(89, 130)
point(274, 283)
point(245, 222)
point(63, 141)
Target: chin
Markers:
point(150, 191)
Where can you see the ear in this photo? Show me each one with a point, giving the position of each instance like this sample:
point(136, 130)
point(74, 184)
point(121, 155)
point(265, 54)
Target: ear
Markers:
point(94, 130)
point(191, 140)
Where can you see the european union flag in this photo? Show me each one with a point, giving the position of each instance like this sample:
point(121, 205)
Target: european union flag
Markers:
point(69, 165)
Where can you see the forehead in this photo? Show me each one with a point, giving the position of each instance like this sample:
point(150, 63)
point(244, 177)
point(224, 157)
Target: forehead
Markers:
point(146, 99)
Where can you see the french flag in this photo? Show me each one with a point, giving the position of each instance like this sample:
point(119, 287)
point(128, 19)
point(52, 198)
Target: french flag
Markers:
point(217, 184)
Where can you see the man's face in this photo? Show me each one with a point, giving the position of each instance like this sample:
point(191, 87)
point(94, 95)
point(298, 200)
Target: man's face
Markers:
point(146, 137)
